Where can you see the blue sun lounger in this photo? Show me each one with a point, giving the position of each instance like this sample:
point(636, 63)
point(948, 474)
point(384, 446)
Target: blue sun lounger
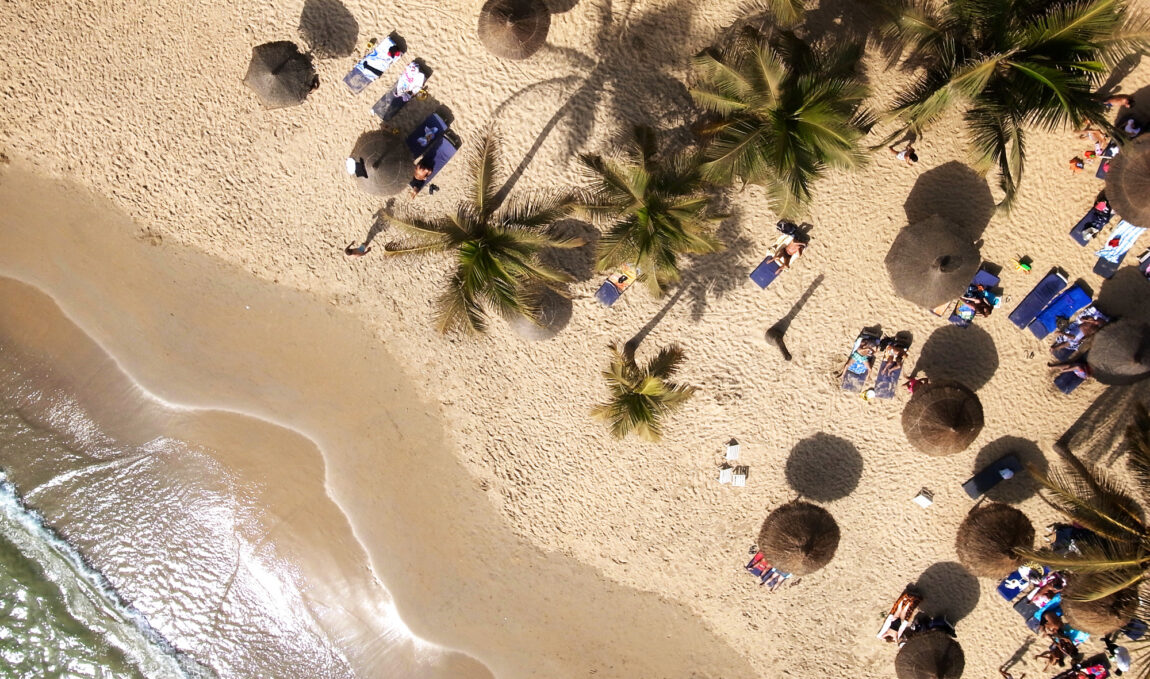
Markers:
point(964, 313)
point(766, 272)
point(1037, 298)
point(1064, 305)
point(443, 151)
point(858, 365)
point(889, 372)
point(426, 135)
point(990, 476)
point(1089, 226)
point(1068, 382)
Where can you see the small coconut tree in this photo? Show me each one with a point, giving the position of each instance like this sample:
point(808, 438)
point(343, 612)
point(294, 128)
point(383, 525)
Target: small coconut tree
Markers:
point(496, 247)
point(642, 396)
point(654, 210)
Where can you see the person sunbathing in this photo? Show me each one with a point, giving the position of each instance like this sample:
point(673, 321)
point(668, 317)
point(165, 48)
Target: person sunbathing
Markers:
point(901, 618)
point(1048, 588)
point(1080, 368)
point(862, 355)
point(1072, 336)
point(1061, 648)
point(774, 578)
point(788, 253)
point(892, 358)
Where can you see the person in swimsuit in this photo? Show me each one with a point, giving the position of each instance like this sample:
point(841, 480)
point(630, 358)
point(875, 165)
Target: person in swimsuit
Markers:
point(906, 155)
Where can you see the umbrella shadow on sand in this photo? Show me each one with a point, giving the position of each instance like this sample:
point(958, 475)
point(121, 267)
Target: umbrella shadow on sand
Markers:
point(329, 28)
point(967, 355)
point(955, 192)
point(1124, 296)
point(824, 467)
point(948, 589)
point(1022, 486)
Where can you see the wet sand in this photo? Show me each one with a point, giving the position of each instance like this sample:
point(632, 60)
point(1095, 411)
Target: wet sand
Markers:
point(198, 334)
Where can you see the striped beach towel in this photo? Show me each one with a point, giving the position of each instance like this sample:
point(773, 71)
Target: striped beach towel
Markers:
point(1120, 241)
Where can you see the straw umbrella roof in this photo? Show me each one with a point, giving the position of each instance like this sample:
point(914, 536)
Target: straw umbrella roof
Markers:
point(930, 263)
point(514, 29)
point(930, 655)
point(1101, 616)
point(386, 161)
point(1128, 182)
point(942, 418)
point(280, 74)
point(799, 537)
point(989, 538)
point(1120, 352)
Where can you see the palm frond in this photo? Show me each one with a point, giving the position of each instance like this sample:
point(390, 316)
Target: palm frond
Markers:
point(483, 163)
point(1138, 449)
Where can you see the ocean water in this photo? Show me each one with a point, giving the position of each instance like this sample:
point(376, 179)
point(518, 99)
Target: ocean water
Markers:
point(135, 559)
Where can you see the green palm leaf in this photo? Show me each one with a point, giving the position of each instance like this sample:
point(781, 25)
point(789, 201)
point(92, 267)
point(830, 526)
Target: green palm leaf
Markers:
point(641, 396)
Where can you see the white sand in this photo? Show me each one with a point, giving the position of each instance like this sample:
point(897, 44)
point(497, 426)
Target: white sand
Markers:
point(151, 114)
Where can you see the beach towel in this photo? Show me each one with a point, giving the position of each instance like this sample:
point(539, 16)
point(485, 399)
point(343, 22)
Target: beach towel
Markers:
point(1037, 298)
point(964, 312)
point(858, 364)
point(889, 371)
point(1089, 226)
point(1119, 242)
point(1064, 305)
point(374, 64)
point(426, 135)
point(1018, 581)
point(991, 475)
point(1135, 629)
point(758, 565)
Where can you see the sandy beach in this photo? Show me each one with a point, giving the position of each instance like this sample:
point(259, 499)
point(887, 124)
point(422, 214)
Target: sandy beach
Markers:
point(196, 240)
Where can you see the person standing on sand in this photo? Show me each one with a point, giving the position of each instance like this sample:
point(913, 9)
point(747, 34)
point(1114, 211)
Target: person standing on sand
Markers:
point(409, 84)
point(357, 251)
point(915, 382)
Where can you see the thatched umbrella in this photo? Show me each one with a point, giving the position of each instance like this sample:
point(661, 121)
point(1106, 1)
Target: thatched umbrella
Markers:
point(386, 162)
point(799, 538)
point(930, 263)
point(514, 29)
point(989, 538)
point(1100, 616)
point(280, 74)
point(1128, 181)
point(1120, 353)
point(930, 655)
point(942, 418)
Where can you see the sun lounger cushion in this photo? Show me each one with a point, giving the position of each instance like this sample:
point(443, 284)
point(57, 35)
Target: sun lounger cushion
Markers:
point(1089, 226)
point(1037, 298)
point(1068, 382)
point(766, 272)
point(426, 135)
point(1105, 268)
point(1135, 629)
point(1063, 306)
point(991, 475)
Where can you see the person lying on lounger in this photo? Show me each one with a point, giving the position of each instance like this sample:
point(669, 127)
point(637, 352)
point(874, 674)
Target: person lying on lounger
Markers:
point(892, 358)
point(980, 299)
point(1079, 368)
point(1048, 588)
point(787, 253)
point(774, 578)
point(862, 355)
point(1061, 648)
point(1072, 336)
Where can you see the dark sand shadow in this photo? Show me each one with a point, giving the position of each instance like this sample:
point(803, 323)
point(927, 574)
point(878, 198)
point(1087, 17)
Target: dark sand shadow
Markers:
point(718, 273)
point(560, 6)
point(1121, 70)
point(966, 355)
point(555, 310)
point(1124, 295)
point(628, 68)
point(632, 344)
point(1022, 486)
point(1095, 433)
point(948, 589)
point(783, 324)
point(329, 28)
point(824, 467)
point(579, 263)
point(955, 192)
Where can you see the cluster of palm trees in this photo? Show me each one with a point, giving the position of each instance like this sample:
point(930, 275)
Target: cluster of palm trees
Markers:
point(781, 112)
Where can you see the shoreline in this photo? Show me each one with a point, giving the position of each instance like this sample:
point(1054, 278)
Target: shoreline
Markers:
point(149, 305)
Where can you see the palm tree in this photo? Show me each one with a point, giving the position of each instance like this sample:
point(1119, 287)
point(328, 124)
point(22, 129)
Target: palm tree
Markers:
point(786, 112)
point(642, 395)
point(1012, 64)
point(1115, 561)
point(655, 211)
point(497, 248)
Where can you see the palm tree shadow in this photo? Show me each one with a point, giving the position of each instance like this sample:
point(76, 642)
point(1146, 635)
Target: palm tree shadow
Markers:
point(1095, 433)
point(714, 275)
point(783, 324)
point(629, 69)
point(632, 345)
